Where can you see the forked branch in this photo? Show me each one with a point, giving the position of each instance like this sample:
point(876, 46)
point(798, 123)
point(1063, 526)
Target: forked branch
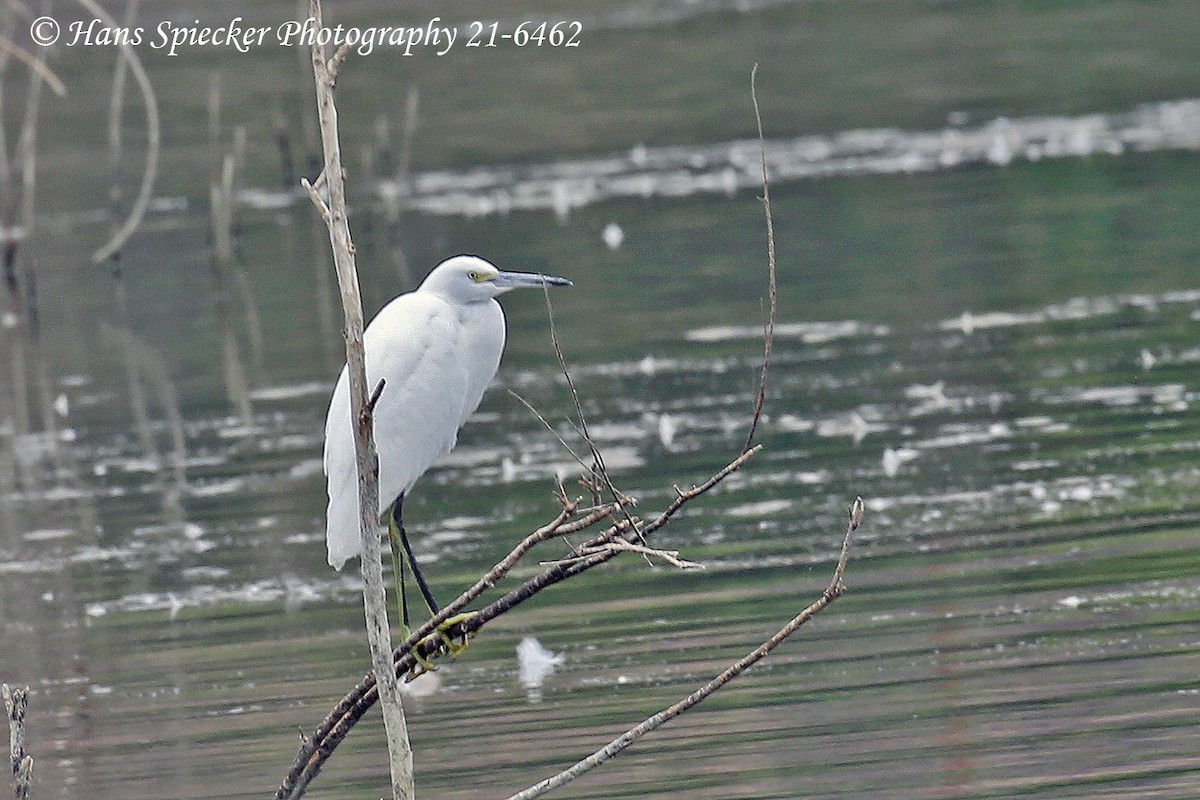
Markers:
point(832, 592)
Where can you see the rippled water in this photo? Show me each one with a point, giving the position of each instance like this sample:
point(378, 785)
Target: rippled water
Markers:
point(1022, 600)
point(1000, 357)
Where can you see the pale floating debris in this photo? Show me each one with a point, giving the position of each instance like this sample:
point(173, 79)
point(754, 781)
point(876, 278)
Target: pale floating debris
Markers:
point(307, 468)
point(216, 488)
point(790, 423)
point(168, 205)
point(808, 332)
point(663, 426)
point(62, 405)
point(619, 431)
point(1167, 394)
point(233, 428)
point(508, 470)
point(426, 684)
point(48, 534)
point(266, 200)
point(932, 398)
point(852, 425)
point(535, 664)
point(920, 391)
point(762, 508)
point(964, 434)
point(1147, 360)
point(1072, 601)
point(291, 391)
point(893, 459)
point(613, 236)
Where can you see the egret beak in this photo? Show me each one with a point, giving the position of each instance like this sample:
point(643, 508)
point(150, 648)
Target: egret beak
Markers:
point(527, 280)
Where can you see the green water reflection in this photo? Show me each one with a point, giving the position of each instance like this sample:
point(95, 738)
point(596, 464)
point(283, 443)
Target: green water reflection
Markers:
point(1022, 613)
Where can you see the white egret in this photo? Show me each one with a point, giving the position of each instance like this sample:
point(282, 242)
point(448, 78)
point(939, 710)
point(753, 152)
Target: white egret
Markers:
point(436, 348)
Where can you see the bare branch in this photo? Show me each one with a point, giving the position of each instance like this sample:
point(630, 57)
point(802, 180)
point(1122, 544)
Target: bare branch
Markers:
point(343, 717)
point(832, 592)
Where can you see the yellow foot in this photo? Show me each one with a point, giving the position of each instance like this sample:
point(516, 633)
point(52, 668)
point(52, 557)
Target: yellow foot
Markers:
point(455, 649)
point(422, 664)
point(444, 644)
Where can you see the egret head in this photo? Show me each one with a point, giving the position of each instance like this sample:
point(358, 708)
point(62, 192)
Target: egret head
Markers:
point(470, 279)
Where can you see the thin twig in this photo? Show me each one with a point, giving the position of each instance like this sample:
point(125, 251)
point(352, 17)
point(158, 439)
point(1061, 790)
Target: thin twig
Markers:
point(599, 469)
point(551, 428)
point(832, 592)
point(669, 556)
point(769, 330)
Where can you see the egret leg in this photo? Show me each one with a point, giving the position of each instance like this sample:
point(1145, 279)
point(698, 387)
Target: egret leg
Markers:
point(396, 525)
point(434, 608)
point(398, 573)
point(423, 664)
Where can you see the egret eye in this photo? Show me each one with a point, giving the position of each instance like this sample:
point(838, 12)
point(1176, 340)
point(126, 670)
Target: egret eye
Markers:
point(478, 277)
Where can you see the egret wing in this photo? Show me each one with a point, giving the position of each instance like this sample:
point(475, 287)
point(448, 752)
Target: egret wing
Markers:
point(414, 345)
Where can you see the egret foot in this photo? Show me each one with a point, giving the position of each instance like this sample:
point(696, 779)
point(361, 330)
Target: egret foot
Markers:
point(423, 664)
point(443, 644)
point(455, 649)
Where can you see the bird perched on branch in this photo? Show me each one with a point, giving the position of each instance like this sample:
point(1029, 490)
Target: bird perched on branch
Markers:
point(436, 349)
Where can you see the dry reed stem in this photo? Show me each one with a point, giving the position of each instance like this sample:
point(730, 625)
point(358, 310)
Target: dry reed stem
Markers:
point(400, 758)
point(16, 701)
point(150, 171)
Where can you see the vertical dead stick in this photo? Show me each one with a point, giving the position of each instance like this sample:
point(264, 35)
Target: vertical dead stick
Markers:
point(832, 592)
point(15, 702)
point(374, 594)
